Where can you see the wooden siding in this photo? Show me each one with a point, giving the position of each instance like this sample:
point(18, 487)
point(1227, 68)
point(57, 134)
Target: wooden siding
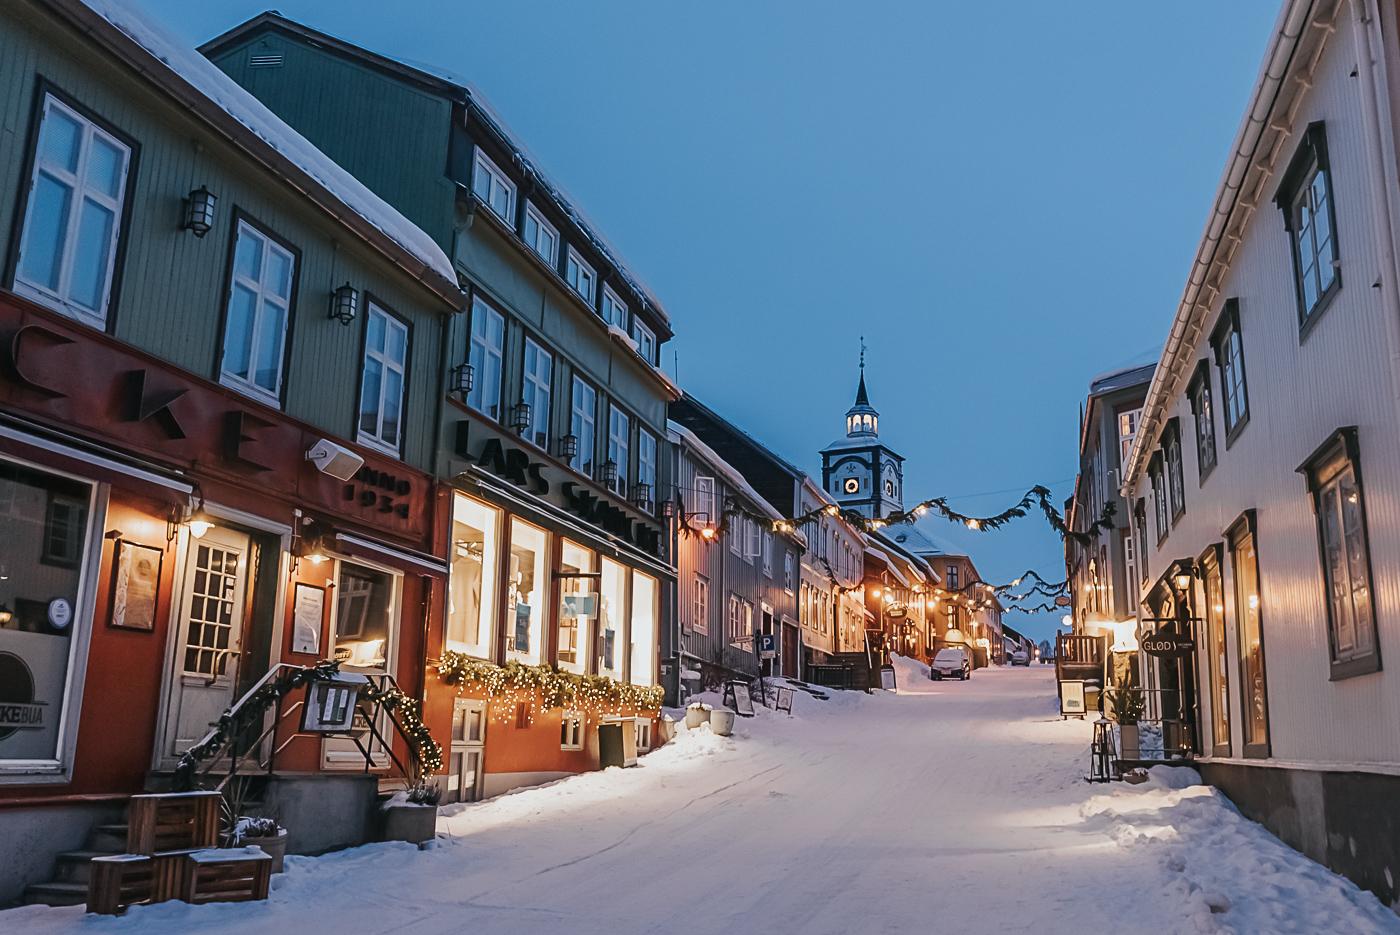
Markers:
point(1301, 391)
point(171, 293)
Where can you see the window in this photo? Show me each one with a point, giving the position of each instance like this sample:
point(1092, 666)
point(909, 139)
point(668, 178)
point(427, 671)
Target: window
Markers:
point(364, 617)
point(1130, 558)
point(1305, 197)
point(767, 546)
point(1334, 479)
point(740, 622)
point(612, 615)
point(1159, 494)
point(752, 541)
point(1254, 691)
point(73, 217)
point(642, 728)
point(472, 588)
point(571, 731)
point(646, 468)
point(575, 628)
point(951, 577)
point(580, 276)
point(494, 188)
point(700, 605)
point(44, 589)
point(1204, 414)
point(1140, 524)
point(646, 340)
point(1228, 346)
point(488, 343)
point(789, 571)
point(541, 236)
point(535, 390)
point(1176, 489)
point(259, 305)
point(382, 380)
point(645, 612)
point(1127, 431)
point(583, 408)
point(614, 309)
point(1217, 657)
point(619, 438)
point(526, 591)
point(703, 503)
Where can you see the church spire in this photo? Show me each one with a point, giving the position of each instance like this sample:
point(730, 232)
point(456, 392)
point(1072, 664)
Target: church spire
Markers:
point(862, 398)
point(861, 419)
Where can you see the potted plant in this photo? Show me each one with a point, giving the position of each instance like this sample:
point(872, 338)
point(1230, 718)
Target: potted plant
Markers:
point(265, 834)
point(696, 713)
point(1127, 708)
point(410, 815)
point(722, 721)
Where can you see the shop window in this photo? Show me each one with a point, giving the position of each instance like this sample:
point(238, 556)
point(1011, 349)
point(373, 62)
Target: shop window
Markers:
point(1334, 479)
point(644, 615)
point(382, 380)
point(1253, 687)
point(72, 220)
point(571, 731)
point(1218, 658)
point(579, 594)
point(258, 312)
point(471, 610)
point(642, 727)
point(364, 614)
point(527, 588)
point(40, 604)
point(612, 614)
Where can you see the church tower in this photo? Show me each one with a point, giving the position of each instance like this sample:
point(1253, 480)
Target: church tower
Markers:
point(859, 471)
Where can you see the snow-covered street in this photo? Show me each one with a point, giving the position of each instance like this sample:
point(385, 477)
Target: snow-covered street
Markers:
point(955, 807)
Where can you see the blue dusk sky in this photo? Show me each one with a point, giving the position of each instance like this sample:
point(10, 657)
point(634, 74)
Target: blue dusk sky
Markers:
point(1002, 198)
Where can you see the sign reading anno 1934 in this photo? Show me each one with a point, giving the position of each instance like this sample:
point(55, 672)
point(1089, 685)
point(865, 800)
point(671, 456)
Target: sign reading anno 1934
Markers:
point(1167, 643)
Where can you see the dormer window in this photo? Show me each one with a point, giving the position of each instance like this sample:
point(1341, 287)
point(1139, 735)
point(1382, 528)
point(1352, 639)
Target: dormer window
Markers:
point(494, 188)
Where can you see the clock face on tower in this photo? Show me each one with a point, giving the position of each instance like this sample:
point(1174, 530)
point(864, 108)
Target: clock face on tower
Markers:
point(889, 487)
point(851, 485)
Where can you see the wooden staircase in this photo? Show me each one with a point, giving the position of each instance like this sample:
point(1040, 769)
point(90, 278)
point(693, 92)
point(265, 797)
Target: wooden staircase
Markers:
point(69, 887)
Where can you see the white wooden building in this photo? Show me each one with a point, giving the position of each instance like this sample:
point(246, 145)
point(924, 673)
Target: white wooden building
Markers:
point(1266, 472)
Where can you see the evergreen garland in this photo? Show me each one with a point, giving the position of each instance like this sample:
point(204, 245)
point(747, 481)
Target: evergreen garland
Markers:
point(546, 687)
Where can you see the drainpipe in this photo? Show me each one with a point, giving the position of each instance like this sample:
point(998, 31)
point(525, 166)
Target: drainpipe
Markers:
point(1380, 142)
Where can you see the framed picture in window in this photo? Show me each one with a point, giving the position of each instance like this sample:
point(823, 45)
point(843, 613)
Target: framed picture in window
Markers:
point(135, 585)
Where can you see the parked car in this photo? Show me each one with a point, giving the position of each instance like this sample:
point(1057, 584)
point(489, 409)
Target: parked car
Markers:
point(1021, 658)
point(951, 662)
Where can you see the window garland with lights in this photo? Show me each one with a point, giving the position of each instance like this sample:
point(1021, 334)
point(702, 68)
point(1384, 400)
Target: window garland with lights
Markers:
point(546, 688)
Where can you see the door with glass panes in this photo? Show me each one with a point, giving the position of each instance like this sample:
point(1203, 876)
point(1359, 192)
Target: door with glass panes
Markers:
point(211, 604)
point(468, 752)
point(365, 606)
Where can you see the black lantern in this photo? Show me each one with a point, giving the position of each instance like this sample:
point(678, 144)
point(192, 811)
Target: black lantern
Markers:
point(568, 447)
point(668, 508)
point(199, 211)
point(610, 473)
point(345, 303)
point(459, 380)
point(641, 495)
point(520, 417)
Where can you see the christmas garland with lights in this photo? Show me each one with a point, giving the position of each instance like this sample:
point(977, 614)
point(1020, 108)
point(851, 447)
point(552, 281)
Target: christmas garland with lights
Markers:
point(545, 687)
point(425, 756)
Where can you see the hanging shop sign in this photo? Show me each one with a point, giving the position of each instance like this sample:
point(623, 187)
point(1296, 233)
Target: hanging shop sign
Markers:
point(1167, 643)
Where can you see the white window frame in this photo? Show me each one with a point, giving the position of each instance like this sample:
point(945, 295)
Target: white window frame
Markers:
point(642, 733)
point(536, 388)
point(700, 605)
point(739, 622)
point(542, 227)
point(480, 353)
point(752, 540)
point(766, 543)
point(571, 722)
point(646, 340)
point(646, 460)
point(79, 193)
point(482, 166)
point(614, 309)
point(620, 446)
point(704, 500)
point(788, 571)
point(576, 269)
point(583, 425)
point(269, 246)
point(376, 439)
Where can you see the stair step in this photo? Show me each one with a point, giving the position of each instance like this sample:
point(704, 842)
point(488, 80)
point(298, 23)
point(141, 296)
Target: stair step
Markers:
point(56, 894)
point(108, 837)
point(76, 866)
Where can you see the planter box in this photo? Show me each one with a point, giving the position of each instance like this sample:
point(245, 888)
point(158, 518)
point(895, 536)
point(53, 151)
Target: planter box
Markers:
point(1128, 745)
point(275, 847)
point(722, 722)
point(415, 824)
point(695, 715)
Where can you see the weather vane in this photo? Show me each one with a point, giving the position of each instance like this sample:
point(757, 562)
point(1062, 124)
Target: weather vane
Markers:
point(862, 353)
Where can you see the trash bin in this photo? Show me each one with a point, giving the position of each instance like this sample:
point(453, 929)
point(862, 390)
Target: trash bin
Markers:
point(617, 743)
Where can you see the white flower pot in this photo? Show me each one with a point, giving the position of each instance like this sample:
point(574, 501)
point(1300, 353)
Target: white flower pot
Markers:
point(695, 715)
point(722, 722)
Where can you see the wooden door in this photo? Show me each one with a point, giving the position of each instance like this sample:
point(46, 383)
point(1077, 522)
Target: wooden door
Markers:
point(468, 753)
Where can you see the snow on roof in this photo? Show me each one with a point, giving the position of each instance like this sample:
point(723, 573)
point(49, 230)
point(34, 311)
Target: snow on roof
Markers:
point(868, 441)
point(1121, 378)
point(921, 543)
point(223, 92)
point(870, 549)
point(679, 433)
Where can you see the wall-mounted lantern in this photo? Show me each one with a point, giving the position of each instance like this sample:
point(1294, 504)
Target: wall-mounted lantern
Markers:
point(459, 380)
point(520, 417)
point(199, 211)
point(345, 304)
point(568, 447)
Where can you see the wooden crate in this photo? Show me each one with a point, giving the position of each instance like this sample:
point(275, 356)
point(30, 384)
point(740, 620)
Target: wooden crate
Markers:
point(172, 821)
point(225, 875)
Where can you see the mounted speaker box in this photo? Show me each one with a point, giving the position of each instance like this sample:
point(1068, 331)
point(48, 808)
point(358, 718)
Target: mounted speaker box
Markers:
point(336, 460)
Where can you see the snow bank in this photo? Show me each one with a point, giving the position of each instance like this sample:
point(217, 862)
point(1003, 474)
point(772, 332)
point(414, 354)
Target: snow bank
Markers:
point(1229, 873)
point(187, 65)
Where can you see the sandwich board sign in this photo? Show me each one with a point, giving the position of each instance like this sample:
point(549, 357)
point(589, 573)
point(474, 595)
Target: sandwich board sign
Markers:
point(737, 697)
point(1072, 698)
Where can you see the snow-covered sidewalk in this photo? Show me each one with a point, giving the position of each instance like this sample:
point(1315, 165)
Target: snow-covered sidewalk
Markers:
point(948, 807)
